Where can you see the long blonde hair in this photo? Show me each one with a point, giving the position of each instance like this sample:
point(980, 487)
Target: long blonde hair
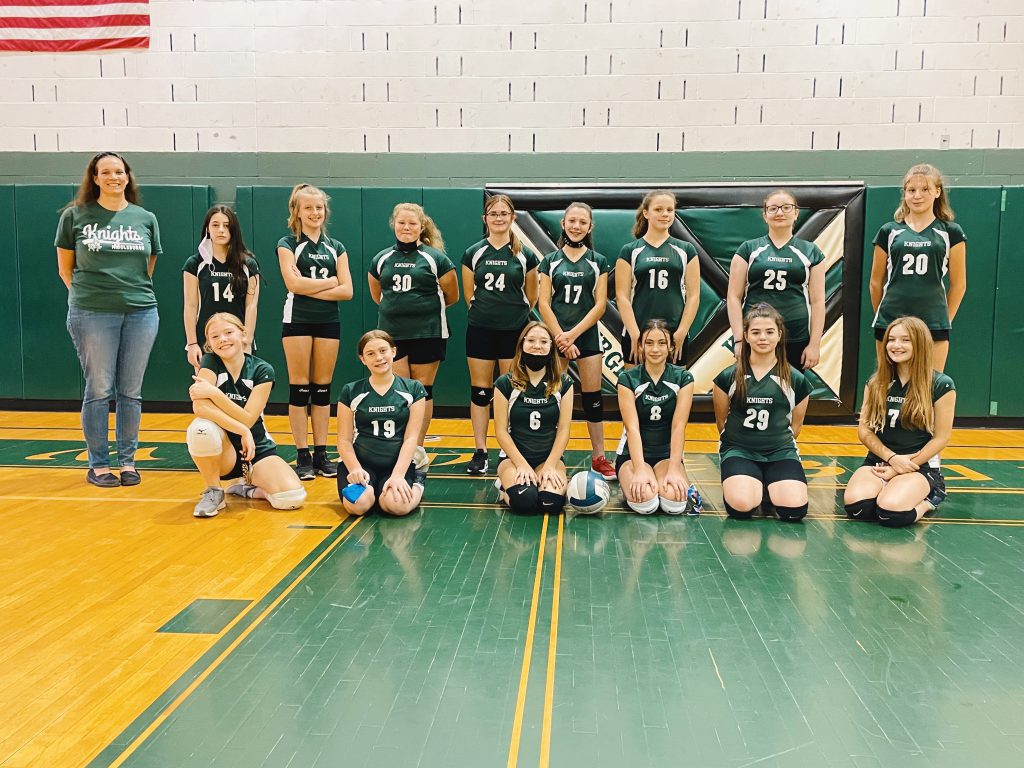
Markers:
point(293, 207)
point(430, 234)
point(513, 240)
point(918, 410)
point(641, 224)
point(758, 312)
point(940, 206)
point(552, 372)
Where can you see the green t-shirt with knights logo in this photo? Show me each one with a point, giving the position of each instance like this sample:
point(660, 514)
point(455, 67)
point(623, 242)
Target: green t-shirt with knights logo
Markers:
point(655, 407)
point(319, 261)
point(254, 372)
point(379, 421)
point(906, 440)
point(574, 290)
point(533, 416)
point(781, 277)
point(411, 300)
point(659, 279)
point(112, 252)
point(761, 429)
point(499, 285)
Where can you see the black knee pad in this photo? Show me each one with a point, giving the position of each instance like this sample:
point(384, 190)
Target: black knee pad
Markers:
point(896, 518)
point(735, 513)
point(523, 499)
point(430, 391)
point(321, 394)
point(481, 396)
point(791, 514)
point(299, 394)
point(862, 510)
point(593, 407)
point(550, 503)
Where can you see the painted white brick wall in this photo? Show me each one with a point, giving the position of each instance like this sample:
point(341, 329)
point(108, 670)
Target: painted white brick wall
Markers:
point(537, 75)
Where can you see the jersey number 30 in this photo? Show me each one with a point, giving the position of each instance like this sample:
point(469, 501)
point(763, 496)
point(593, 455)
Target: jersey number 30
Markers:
point(402, 283)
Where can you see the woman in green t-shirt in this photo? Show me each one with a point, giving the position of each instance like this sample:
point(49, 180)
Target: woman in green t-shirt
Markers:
point(107, 246)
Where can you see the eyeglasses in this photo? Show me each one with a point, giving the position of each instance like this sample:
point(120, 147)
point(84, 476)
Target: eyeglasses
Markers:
point(498, 214)
point(771, 210)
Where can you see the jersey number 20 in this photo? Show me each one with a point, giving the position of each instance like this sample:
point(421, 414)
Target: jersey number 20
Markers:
point(915, 264)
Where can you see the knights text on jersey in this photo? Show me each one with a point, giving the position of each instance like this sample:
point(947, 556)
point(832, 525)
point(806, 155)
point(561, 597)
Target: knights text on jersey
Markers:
point(411, 302)
point(254, 372)
point(655, 406)
point(316, 260)
point(659, 279)
point(533, 416)
point(217, 293)
point(379, 420)
point(499, 285)
point(761, 429)
point(781, 277)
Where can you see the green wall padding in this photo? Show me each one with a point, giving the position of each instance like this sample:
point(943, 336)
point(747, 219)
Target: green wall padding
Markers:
point(1008, 328)
point(12, 370)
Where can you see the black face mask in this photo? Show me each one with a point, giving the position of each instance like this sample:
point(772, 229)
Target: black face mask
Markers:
point(572, 243)
point(406, 247)
point(535, 362)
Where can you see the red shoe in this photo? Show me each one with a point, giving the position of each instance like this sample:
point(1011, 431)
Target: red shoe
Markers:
point(603, 467)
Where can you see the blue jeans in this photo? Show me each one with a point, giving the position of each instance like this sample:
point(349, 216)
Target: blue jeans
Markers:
point(113, 349)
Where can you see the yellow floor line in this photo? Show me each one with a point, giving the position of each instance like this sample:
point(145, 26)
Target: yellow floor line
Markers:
point(549, 686)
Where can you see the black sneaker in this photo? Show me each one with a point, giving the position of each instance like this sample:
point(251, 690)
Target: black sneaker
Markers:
point(478, 464)
point(938, 493)
point(323, 466)
point(304, 466)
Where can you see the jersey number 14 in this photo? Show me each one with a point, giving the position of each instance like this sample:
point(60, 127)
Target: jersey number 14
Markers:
point(226, 293)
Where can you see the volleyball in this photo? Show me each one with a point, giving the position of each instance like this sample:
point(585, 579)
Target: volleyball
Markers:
point(588, 492)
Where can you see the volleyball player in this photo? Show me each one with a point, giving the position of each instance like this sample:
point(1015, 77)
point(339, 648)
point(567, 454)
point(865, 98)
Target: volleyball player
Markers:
point(657, 277)
point(499, 281)
point(315, 270)
point(654, 401)
point(222, 276)
point(905, 421)
point(760, 404)
point(913, 255)
point(379, 420)
point(532, 416)
point(228, 439)
point(786, 272)
point(573, 295)
point(414, 282)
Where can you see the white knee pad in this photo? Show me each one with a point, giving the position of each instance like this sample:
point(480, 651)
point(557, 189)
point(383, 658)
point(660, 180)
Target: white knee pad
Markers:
point(670, 507)
point(287, 499)
point(204, 438)
point(648, 507)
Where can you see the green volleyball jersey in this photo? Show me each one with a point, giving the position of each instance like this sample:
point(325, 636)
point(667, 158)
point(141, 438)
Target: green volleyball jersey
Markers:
point(499, 285)
point(781, 277)
point(318, 260)
point(254, 372)
point(411, 299)
point(659, 279)
point(216, 291)
point(379, 421)
point(112, 252)
point(761, 429)
point(655, 406)
point(916, 266)
point(574, 290)
point(907, 440)
point(533, 416)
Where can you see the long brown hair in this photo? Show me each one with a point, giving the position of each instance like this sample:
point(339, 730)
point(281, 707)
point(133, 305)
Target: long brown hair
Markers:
point(293, 207)
point(641, 224)
point(490, 202)
point(940, 206)
point(761, 311)
point(89, 191)
point(588, 239)
point(237, 252)
point(918, 410)
point(430, 234)
point(552, 372)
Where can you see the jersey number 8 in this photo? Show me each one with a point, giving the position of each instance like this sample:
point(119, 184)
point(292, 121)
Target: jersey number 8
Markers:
point(655, 413)
point(387, 427)
point(757, 418)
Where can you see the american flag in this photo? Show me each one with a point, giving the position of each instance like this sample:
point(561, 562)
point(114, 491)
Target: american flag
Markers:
point(73, 25)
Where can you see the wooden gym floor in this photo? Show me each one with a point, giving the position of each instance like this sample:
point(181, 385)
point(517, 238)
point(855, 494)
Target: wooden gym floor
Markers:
point(132, 634)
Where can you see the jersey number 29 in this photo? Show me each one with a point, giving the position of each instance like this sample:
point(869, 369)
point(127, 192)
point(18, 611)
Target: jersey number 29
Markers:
point(757, 418)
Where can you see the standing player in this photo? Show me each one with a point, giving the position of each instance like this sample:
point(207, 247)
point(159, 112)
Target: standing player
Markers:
point(223, 276)
point(315, 272)
point(760, 404)
point(227, 439)
point(906, 420)
point(499, 281)
point(786, 272)
point(657, 277)
point(913, 254)
point(379, 422)
point(654, 400)
point(532, 415)
point(414, 282)
point(573, 295)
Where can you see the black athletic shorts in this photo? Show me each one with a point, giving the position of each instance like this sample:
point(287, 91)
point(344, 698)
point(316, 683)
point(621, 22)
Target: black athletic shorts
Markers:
point(236, 471)
point(378, 476)
point(652, 461)
point(491, 344)
point(625, 342)
point(421, 351)
point(932, 474)
point(767, 472)
point(938, 334)
point(795, 351)
point(316, 330)
point(584, 352)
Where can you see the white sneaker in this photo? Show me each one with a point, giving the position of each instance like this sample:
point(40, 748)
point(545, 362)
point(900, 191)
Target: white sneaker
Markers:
point(420, 458)
point(210, 503)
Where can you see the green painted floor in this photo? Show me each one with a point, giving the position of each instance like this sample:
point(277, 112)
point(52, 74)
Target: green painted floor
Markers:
point(680, 641)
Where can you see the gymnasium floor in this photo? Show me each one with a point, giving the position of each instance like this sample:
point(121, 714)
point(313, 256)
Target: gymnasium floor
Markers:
point(134, 635)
